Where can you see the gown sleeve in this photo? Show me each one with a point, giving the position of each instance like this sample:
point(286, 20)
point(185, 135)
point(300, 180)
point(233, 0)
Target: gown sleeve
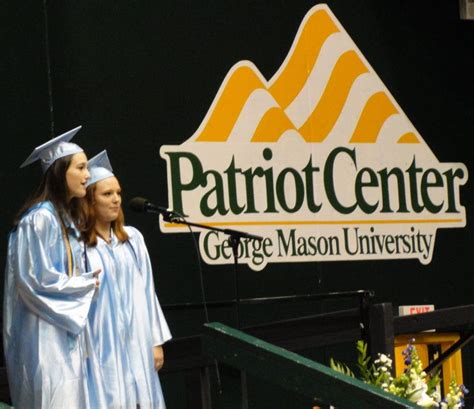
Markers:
point(159, 326)
point(38, 259)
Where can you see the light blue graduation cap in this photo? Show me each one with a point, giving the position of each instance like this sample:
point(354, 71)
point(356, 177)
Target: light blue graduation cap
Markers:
point(54, 149)
point(99, 168)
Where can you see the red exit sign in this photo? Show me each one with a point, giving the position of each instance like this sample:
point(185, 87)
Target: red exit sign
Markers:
point(415, 309)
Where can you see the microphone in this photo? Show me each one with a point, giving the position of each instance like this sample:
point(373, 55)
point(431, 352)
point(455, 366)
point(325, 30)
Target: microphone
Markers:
point(142, 205)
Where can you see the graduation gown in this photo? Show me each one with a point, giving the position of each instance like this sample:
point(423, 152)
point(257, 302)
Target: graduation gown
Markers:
point(125, 322)
point(44, 314)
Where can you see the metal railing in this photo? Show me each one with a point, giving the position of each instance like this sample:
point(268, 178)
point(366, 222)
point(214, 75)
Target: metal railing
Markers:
point(292, 372)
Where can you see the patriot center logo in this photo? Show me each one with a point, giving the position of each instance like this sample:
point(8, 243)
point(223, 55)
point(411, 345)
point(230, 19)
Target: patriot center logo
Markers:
point(320, 160)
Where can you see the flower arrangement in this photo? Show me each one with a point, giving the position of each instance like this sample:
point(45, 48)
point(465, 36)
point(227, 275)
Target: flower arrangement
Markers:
point(413, 384)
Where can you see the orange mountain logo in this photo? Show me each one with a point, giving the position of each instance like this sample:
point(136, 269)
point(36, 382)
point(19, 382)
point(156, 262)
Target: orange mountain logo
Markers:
point(319, 159)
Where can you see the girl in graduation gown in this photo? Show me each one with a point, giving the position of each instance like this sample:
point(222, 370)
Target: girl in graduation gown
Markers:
point(45, 303)
point(127, 326)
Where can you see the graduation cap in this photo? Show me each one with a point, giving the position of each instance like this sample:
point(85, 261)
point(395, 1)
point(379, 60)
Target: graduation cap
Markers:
point(99, 168)
point(54, 149)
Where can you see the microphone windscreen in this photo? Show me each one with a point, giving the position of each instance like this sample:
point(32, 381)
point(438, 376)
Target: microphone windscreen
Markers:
point(138, 204)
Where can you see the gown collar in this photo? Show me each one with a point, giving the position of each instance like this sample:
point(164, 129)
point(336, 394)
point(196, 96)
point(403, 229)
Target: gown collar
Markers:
point(113, 239)
point(68, 223)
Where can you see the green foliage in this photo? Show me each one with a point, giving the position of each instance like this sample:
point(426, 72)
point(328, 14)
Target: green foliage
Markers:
point(363, 363)
point(340, 367)
point(433, 382)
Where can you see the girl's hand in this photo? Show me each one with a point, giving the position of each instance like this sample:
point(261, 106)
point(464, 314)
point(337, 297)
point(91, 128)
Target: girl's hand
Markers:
point(95, 274)
point(158, 357)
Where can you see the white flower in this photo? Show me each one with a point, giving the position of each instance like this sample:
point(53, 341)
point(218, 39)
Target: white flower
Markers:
point(384, 358)
point(416, 391)
point(426, 401)
point(436, 395)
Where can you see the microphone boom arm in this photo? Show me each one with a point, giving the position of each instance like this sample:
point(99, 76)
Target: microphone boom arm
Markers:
point(173, 217)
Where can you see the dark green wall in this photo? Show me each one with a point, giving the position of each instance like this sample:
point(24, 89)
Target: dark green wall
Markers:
point(140, 74)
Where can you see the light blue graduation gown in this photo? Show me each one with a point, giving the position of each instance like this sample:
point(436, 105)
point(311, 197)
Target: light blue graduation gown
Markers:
point(125, 322)
point(44, 314)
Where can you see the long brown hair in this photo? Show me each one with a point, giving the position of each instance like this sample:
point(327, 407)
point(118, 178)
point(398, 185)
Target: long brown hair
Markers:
point(53, 187)
point(88, 218)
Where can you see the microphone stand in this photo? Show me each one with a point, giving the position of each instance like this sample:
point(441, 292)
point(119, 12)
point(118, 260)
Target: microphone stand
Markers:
point(234, 240)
